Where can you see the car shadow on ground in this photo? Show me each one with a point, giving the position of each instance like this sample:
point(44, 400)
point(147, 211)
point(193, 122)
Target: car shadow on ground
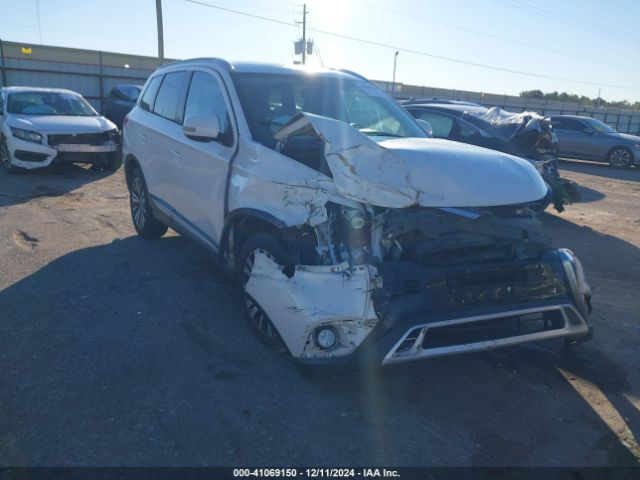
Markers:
point(110, 346)
point(599, 169)
point(53, 181)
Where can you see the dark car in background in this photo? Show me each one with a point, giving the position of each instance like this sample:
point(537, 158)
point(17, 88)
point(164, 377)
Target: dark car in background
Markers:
point(590, 139)
point(526, 135)
point(120, 101)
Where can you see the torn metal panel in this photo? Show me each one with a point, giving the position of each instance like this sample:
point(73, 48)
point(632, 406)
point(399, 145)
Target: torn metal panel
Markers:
point(313, 296)
point(265, 180)
point(403, 172)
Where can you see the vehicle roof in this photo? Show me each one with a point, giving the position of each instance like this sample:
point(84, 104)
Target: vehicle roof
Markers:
point(134, 85)
point(37, 89)
point(575, 117)
point(453, 107)
point(255, 67)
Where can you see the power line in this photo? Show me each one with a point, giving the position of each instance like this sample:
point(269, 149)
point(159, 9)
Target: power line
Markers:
point(416, 52)
point(570, 16)
point(492, 35)
point(571, 22)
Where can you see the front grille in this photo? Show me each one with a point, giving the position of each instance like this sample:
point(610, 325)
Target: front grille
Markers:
point(492, 329)
point(79, 139)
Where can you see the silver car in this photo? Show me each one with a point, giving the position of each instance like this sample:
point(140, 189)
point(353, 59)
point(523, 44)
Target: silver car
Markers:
point(590, 139)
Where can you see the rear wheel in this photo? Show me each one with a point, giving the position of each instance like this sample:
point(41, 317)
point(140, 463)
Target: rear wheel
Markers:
point(5, 158)
point(259, 244)
point(141, 214)
point(620, 157)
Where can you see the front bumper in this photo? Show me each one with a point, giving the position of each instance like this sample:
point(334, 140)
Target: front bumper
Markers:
point(31, 155)
point(538, 300)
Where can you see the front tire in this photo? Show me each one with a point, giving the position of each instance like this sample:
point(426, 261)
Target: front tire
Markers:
point(114, 161)
point(5, 158)
point(260, 321)
point(141, 214)
point(620, 157)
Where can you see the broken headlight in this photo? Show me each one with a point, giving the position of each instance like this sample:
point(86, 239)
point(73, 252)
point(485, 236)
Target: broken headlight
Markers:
point(27, 135)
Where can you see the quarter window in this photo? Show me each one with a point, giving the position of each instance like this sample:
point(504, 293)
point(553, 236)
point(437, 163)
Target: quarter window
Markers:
point(150, 94)
point(166, 104)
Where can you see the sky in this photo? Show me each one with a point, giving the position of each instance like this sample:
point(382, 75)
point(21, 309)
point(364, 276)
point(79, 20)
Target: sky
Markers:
point(494, 46)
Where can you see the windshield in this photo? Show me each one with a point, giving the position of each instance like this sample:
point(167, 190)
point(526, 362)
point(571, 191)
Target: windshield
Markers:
point(49, 103)
point(599, 126)
point(269, 101)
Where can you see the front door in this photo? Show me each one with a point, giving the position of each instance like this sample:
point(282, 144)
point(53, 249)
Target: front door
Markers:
point(202, 166)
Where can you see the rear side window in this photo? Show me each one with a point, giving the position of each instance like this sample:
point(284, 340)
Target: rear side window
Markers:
point(205, 97)
point(166, 104)
point(150, 93)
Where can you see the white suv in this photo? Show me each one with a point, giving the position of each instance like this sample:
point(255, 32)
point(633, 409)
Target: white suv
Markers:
point(354, 236)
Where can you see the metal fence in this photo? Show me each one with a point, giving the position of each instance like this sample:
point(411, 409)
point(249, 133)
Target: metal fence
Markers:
point(623, 120)
point(91, 73)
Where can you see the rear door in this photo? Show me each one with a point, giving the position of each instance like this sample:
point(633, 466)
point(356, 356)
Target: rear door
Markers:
point(156, 130)
point(202, 166)
point(572, 139)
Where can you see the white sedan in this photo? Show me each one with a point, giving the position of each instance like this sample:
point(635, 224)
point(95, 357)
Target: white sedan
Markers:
point(41, 126)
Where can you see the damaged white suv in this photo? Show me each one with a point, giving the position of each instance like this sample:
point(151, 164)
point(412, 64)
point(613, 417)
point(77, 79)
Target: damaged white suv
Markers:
point(355, 236)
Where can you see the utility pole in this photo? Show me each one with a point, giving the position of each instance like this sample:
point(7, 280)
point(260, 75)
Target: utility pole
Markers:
point(304, 33)
point(393, 84)
point(160, 32)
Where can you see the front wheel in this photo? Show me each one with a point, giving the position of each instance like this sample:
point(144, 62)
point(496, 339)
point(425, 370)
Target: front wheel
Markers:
point(620, 157)
point(259, 244)
point(141, 214)
point(5, 158)
point(114, 161)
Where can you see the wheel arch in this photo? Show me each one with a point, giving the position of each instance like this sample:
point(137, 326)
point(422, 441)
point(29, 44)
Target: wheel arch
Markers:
point(130, 163)
point(240, 224)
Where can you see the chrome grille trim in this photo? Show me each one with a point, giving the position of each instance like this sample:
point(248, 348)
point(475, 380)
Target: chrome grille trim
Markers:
point(418, 352)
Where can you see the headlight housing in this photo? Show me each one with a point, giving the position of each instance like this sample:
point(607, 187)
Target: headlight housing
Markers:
point(27, 135)
point(114, 135)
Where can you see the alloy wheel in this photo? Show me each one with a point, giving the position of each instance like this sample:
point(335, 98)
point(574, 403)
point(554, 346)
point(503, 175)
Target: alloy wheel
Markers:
point(620, 158)
point(258, 317)
point(5, 158)
point(138, 202)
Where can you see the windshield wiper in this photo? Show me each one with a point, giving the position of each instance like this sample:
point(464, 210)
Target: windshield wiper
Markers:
point(379, 133)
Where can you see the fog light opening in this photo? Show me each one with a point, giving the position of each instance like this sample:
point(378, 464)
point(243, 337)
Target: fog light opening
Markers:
point(325, 337)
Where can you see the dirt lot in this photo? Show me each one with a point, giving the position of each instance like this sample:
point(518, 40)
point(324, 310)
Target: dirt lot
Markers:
point(119, 351)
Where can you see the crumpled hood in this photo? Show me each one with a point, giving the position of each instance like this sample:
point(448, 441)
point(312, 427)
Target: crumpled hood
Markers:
point(404, 172)
point(61, 123)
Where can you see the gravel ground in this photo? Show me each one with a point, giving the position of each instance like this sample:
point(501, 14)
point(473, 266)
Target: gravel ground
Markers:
point(121, 351)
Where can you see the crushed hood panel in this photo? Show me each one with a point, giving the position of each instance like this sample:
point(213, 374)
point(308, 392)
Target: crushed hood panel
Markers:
point(404, 172)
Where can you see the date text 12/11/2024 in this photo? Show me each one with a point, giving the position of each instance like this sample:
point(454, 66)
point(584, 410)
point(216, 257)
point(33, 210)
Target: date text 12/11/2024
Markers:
point(315, 473)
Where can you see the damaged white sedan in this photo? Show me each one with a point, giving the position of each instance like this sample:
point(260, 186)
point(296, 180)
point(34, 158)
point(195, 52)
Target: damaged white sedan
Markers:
point(355, 236)
point(43, 126)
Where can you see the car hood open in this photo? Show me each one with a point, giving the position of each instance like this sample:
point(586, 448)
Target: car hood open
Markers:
point(61, 123)
point(404, 172)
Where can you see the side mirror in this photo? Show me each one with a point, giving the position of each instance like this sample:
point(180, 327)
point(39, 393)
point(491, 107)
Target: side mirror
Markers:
point(203, 128)
point(588, 131)
point(426, 126)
